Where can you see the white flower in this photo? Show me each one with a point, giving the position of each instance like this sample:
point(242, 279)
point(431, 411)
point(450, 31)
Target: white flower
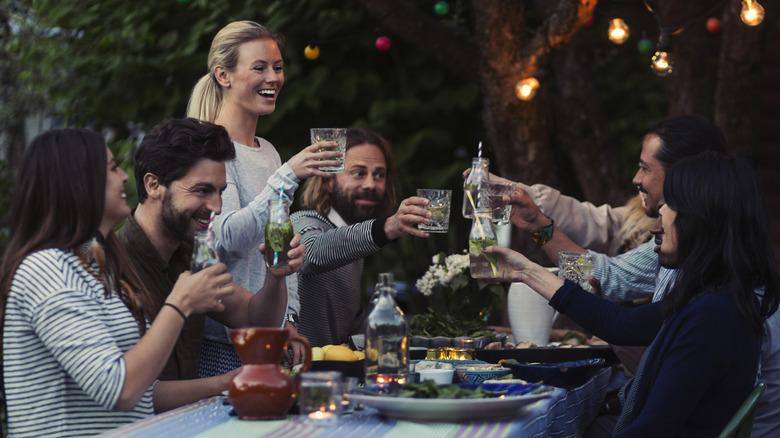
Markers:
point(441, 274)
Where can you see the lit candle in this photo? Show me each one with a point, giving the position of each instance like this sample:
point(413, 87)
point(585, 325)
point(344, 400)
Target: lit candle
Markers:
point(320, 415)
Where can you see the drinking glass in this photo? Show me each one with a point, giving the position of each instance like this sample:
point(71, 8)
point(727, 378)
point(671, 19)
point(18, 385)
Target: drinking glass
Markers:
point(502, 211)
point(320, 397)
point(203, 253)
point(278, 233)
point(348, 385)
point(339, 135)
point(439, 207)
point(577, 267)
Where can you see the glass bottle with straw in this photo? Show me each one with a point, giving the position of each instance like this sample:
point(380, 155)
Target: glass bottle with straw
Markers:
point(482, 235)
point(278, 231)
point(475, 187)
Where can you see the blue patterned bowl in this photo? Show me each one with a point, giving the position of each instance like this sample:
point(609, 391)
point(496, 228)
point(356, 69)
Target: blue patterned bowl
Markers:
point(475, 375)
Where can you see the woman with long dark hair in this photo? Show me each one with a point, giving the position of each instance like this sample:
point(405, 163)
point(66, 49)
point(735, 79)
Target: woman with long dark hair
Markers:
point(78, 357)
point(705, 336)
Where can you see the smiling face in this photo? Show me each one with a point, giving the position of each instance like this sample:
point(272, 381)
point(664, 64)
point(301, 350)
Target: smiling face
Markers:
point(255, 82)
point(189, 201)
point(115, 209)
point(649, 179)
point(358, 192)
point(666, 242)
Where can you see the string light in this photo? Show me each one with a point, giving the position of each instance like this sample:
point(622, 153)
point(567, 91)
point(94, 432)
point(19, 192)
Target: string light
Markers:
point(661, 63)
point(752, 12)
point(618, 31)
point(526, 89)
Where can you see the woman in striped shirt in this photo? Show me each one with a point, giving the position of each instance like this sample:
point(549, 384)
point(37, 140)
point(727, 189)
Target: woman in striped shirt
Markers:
point(78, 357)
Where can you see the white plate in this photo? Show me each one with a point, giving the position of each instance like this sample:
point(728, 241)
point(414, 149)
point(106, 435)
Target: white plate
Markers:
point(461, 409)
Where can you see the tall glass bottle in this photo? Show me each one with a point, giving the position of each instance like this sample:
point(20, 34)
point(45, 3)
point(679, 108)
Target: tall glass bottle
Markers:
point(387, 340)
point(278, 232)
point(475, 187)
point(482, 235)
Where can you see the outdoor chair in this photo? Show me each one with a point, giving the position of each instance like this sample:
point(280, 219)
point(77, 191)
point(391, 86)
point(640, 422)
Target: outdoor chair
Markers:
point(741, 423)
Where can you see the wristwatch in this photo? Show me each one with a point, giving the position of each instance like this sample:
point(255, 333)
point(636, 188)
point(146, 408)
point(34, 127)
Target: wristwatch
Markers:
point(292, 318)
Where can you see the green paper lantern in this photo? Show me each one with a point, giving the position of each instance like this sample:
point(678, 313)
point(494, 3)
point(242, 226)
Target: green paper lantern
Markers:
point(441, 8)
point(644, 46)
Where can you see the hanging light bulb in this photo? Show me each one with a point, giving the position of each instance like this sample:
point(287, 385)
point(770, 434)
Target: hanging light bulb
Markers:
point(661, 63)
point(618, 31)
point(752, 12)
point(525, 89)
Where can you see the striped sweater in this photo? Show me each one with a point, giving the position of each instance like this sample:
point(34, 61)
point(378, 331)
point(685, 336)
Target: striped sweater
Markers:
point(329, 281)
point(63, 350)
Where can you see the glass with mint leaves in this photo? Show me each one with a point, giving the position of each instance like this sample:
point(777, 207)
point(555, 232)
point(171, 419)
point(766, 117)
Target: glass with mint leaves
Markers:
point(278, 232)
point(482, 235)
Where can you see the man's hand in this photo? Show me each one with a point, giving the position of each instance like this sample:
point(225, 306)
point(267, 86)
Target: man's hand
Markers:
point(294, 258)
point(298, 355)
point(410, 213)
point(526, 215)
point(203, 291)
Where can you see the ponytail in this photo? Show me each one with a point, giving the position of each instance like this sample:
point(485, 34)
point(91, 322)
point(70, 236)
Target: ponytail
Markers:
point(205, 100)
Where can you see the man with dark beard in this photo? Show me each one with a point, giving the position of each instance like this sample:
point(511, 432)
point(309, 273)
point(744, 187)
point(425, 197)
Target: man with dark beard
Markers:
point(180, 175)
point(348, 217)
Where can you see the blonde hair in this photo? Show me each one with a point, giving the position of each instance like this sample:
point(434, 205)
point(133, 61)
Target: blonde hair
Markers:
point(206, 98)
point(635, 229)
point(318, 191)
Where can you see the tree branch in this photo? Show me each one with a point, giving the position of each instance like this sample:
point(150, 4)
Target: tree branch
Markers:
point(453, 52)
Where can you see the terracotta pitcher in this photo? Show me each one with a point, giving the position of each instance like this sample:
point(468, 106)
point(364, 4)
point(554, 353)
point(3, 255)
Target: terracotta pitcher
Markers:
point(261, 391)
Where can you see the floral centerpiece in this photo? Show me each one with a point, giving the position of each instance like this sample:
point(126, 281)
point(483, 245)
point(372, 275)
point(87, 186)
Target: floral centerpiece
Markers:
point(457, 304)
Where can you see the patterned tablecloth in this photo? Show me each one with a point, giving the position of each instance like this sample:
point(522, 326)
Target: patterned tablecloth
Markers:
point(565, 414)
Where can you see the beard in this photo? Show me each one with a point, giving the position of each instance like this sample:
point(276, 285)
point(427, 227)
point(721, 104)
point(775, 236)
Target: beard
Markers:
point(344, 204)
point(650, 211)
point(177, 223)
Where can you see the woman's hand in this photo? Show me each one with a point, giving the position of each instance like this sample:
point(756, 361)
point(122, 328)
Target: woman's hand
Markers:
point(513, 266)
point(410, 213)
point(294, 258)
point(204, 291)
point(307, 162)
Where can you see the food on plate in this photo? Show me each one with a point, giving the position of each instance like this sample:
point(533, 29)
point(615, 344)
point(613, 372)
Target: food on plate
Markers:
point(525, 344)
point(432, 365)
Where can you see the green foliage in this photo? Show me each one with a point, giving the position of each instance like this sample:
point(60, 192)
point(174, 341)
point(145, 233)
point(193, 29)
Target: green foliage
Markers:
point(457, 304)
point(123, 66)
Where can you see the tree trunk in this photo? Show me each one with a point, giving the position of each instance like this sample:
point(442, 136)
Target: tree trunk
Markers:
point(690, 88)
point(736, 95)
point(580, 128)
point(516, 130)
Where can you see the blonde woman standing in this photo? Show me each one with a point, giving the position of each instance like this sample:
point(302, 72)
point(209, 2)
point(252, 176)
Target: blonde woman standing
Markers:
point(245, 76)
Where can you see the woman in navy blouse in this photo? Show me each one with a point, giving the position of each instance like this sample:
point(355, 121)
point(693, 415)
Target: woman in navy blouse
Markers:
point(705, 336)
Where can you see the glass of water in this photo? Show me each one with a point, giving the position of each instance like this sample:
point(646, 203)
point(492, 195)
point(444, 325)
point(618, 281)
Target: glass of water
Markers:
point(577, 267)
point(338, 135)
point(502, 211)
point(320, 397)
point(439, 207)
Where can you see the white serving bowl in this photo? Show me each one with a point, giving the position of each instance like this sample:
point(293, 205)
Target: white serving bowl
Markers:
point(438, 375)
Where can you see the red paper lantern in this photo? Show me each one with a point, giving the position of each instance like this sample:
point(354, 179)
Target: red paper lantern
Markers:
point(383, 43)
point(713, 25)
